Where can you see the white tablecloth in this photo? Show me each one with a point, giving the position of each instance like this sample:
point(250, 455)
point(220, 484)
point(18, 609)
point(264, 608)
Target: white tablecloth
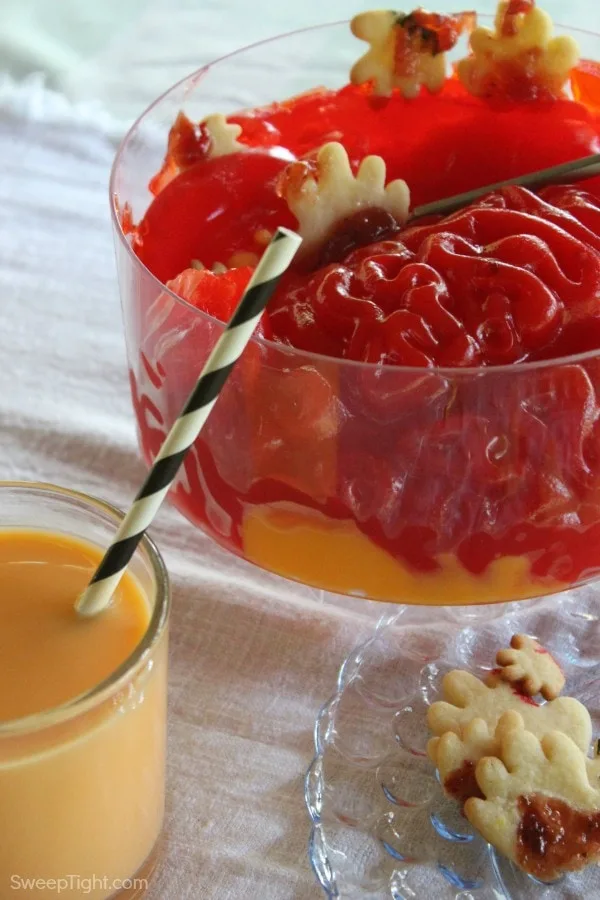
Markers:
point(252, 657)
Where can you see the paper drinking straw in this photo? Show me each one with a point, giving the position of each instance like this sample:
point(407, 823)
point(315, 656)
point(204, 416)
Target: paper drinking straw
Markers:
point(187, 427)
point(586, 167)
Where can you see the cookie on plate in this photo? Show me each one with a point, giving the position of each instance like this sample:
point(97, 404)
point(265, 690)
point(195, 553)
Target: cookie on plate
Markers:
point(465, 724)
point(456, 756)
point(531, 668)
point(537, 804)
point(467, 697)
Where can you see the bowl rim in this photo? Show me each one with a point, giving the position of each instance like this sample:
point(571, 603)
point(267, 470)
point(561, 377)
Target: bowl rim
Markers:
point(318, 359)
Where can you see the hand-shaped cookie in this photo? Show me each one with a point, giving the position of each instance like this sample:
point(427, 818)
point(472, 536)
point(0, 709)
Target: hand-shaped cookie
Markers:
point(406, 51)
point(223, 136)
point(324, 192)
point(531, 668)
point(539, 807)
point(456, 755)
point(520, 50)
point(468, 698)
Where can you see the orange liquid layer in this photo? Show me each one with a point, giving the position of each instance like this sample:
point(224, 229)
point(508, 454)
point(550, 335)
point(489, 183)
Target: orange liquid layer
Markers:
point(84, 795)
point(337, 557)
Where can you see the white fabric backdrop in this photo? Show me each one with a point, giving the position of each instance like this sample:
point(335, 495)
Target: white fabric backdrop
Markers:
point(252, 657)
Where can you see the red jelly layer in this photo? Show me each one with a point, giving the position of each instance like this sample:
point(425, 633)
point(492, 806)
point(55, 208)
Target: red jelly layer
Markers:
point(450, 142)
point(424, 464)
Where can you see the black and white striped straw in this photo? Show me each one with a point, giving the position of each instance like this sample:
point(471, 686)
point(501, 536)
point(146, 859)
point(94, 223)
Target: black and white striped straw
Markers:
point(188, 425)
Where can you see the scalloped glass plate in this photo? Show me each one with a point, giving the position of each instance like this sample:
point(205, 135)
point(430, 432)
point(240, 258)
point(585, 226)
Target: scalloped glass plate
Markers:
point(381, 827)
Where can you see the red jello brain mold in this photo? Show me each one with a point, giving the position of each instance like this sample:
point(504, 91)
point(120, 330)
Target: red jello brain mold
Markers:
point(423, 460)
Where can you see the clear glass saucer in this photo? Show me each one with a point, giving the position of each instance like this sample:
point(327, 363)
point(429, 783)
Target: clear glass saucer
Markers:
point(381, 826)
